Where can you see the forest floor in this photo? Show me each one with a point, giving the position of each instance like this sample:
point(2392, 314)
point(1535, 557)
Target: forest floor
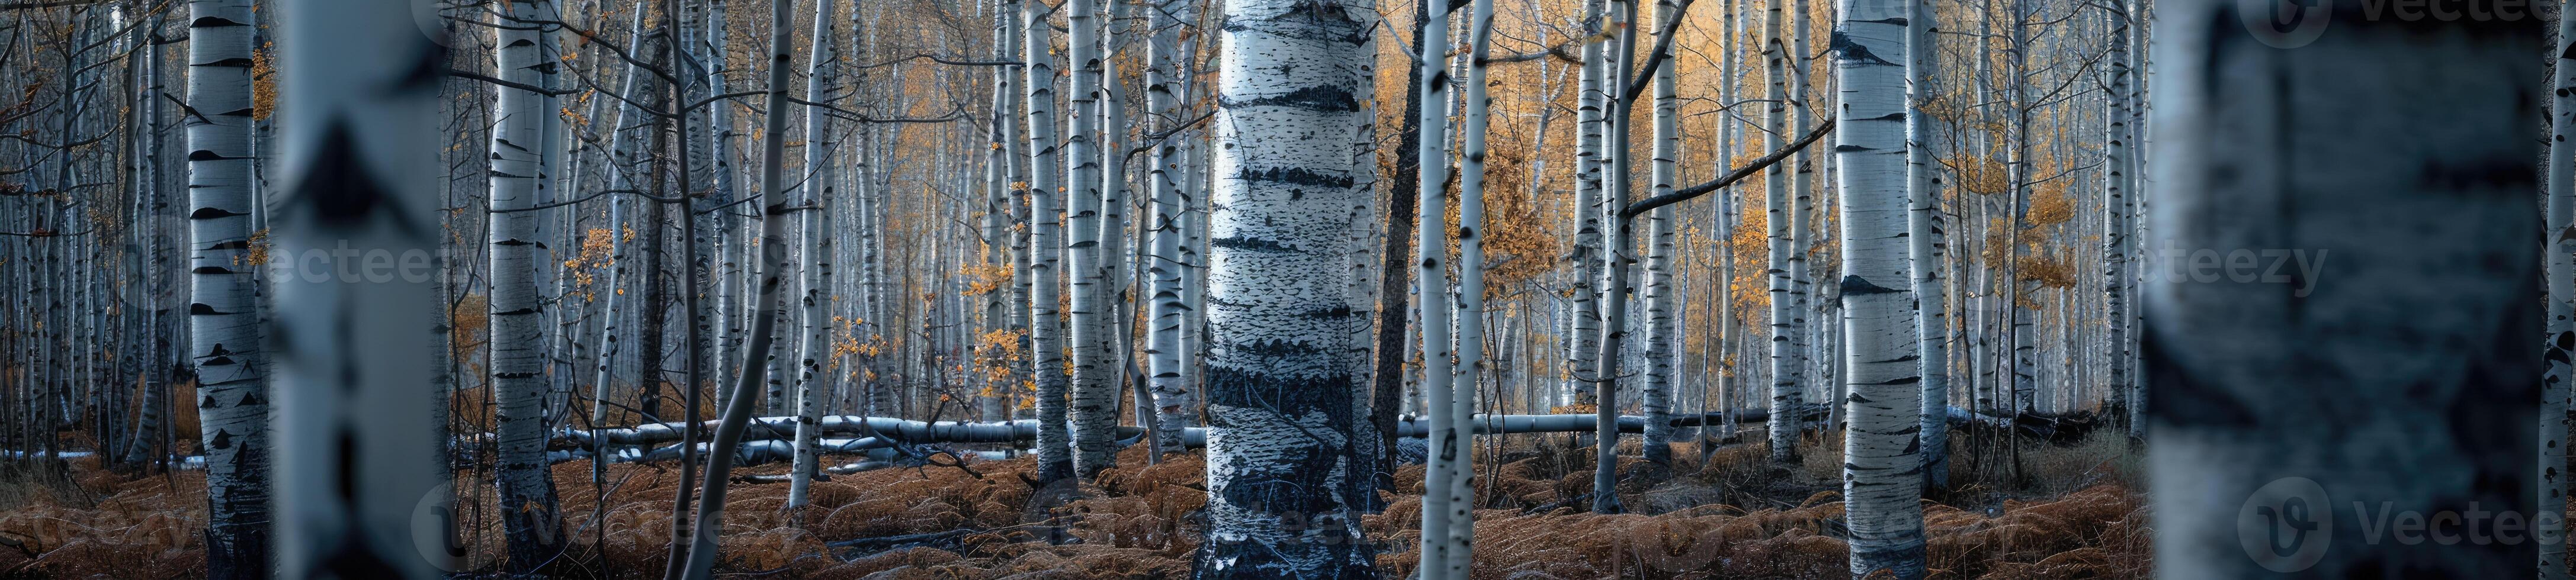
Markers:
point(2074, 514)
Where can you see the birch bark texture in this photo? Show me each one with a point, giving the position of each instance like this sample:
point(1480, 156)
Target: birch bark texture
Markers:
point(1927, 245)
point(517, 351)
point(223, 301)
point(2402, 149)
point(2559, 262)
point(1431, 240)
point(1168, 376)
point(820, 144)
point(1094, 409)
point(1785, 394)
point(1655, 393)
point(1471, 298)
point(1882, 476)
point(2116, 227)
point(1281, 396)
point(361, 142)
point(1046, 318)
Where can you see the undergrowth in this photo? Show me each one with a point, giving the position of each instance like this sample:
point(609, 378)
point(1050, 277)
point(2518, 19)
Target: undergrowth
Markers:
point(2073, 514)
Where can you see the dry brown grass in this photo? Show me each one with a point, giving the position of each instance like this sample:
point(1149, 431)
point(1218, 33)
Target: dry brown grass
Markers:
point(1734, 516)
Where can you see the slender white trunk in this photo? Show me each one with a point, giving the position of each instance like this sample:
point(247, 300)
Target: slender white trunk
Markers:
point(2559, 263)
point(773, 304)
point(1094, 400)
point(1785, 393)
point(224, 306)
point(1926, 243)
point(1662, 330)
point(1615, 254)
point(517, 347)
point(1584, 346)
point(2116, 227)
point(729, 264)
point(993, 396)
point(1046, 327)
point(1471, 297)
point(362, 134)
point(1431, 283)
point(1169, 378)
point(1281, 494)
point(820, 144)
point(1882, 475)
point(1803, 331)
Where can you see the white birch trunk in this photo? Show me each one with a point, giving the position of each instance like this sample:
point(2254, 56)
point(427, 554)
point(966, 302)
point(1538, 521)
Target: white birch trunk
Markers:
point(517, 345)
point(1281, 493)
point(993, 399)
point(1785, 389)
point(2398, 372)
point(1168, 378)
point(1094, 400)
point(1583, 356)
point(1882, 475)
point(2558, 264)
point(1615, 258)
point(224, 307)
point(820, 144)
point(1471, 297)
point(729, 262)
point(1926, 244)
point(709, 522)
point(1046, 339)
point(1662, 331)
point(362, 135)
point(1431, 284)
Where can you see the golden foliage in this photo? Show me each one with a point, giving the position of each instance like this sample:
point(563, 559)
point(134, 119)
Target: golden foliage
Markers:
point(255, 253)
point(996, 353)
point(597, 252)
point(263, 81)
point(465, 323)
point(985, 277)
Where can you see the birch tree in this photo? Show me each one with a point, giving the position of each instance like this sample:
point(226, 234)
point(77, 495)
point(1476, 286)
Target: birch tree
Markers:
point(352, 421)
point(701, 553)
point(1169, 376)
point(820, 144)
point(1882, 476)
point(1432, 241)
point(1584, 336)
point(1281, 386)
point(1094, 409)
point(2116, 228)
point(223, 304)
point(2403, 150)
point(1785, 394)
point(1471, 301)
point(1926, 244)
point(1662, 331)
point(517, 348)
point(1046, 339)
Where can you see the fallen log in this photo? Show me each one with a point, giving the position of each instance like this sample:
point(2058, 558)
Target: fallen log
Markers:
point(919, 432)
